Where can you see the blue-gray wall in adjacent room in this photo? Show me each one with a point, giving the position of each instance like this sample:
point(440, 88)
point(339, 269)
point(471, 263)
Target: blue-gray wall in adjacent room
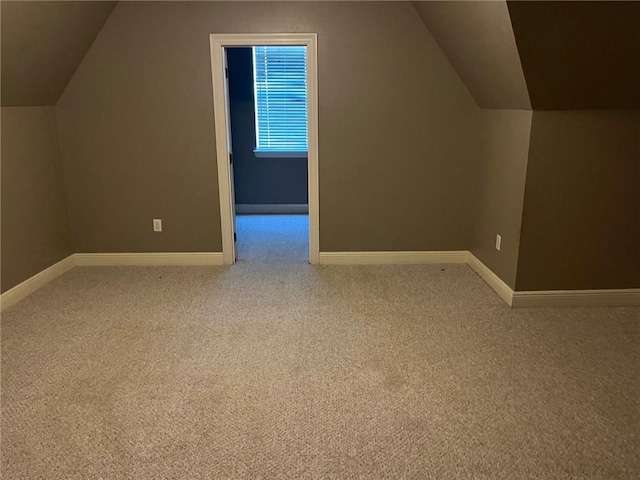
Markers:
point(258, 180)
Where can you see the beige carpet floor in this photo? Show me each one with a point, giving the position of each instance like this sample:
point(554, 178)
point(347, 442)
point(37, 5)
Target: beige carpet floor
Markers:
point(278, 369)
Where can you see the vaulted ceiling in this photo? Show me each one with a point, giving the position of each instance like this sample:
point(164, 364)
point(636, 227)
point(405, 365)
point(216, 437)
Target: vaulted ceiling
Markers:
point(42, 45)
point(516, 54)
point(579, 54)
point(545, 55)
point(479, 42)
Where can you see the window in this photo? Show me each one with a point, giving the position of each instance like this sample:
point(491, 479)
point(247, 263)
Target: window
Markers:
point(280, 83)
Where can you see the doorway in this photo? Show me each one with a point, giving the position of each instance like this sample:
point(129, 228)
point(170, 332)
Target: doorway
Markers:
point(224, 150)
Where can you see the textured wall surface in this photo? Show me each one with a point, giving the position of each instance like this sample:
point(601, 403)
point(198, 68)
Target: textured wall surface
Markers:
point(478, 40)
point(396, 153)
point(581, 220)
point(501, 183)
point(43, 44)
point(579, 55)
point(35, 227)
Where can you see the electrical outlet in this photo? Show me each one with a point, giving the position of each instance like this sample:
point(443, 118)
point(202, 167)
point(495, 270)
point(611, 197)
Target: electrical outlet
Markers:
point(157, 224)
point(498, 242)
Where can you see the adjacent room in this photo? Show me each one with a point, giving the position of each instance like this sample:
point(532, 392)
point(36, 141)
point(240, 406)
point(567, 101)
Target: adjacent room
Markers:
point(432, 270)
point(267, 104)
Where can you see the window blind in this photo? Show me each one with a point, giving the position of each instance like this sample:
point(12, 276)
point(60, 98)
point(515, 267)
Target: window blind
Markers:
point(280, 81)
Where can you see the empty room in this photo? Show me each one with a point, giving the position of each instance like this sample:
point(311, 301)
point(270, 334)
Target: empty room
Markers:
point(327, 240)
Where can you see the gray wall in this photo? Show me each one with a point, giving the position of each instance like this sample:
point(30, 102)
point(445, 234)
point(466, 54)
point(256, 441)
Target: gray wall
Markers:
point(42, 45)
point(396, 149)
point(258, 180)
point(501, 181)
point(478, 40)
point(579, 55)
point(581, 220)
point(35, 227)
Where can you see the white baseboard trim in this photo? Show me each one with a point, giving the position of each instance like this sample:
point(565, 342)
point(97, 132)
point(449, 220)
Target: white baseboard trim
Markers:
point(272, 208)
point(564, 298)
point(551, 298)
point(392, 258)
point(151, 259)
point(578, 298)
point(503, 290)
point(39, 280)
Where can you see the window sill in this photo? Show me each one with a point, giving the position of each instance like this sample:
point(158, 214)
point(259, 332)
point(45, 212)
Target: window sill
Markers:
point(271, 154)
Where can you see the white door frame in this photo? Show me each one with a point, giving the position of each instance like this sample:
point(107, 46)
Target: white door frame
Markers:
point(218, 43)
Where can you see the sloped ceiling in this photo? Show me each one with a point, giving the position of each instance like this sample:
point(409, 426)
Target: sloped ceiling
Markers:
point(573, 54)
point(545, 55)
point(478, 39)
point(42, 45)
point(579, 55)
